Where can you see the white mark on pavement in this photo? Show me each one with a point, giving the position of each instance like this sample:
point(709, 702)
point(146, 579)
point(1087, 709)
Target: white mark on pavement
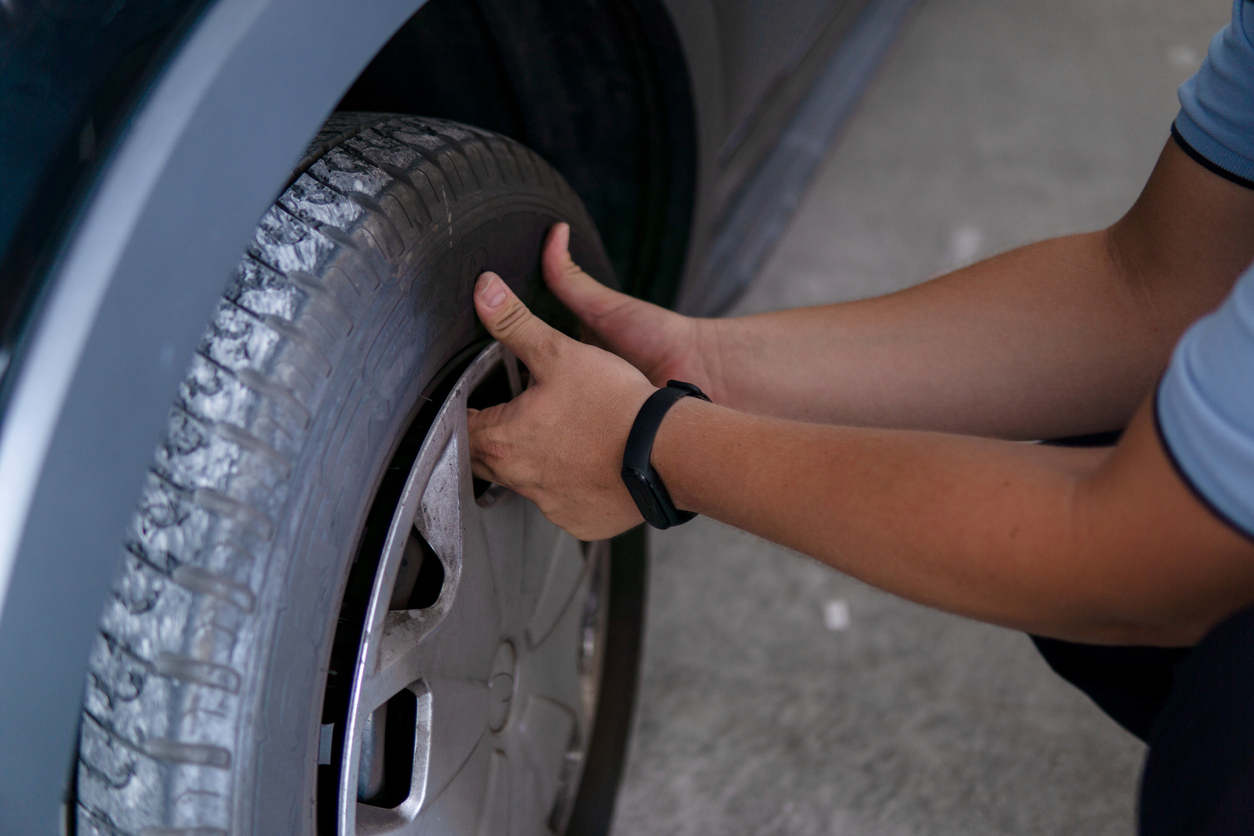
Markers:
point(964, 244)
point(836, 614)
point(1183, 57)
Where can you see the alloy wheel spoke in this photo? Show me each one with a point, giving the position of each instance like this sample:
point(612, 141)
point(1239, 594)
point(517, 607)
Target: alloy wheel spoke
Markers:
point(542, 668)
point(542, 737)
point(458, 718)
point(564, 570)
point(505, 521)
point(458, 808)
point(497, 801)
point(569, 649)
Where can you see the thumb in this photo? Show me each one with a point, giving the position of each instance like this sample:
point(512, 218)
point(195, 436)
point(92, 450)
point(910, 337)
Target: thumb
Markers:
point(584, 295)
point(517, 328)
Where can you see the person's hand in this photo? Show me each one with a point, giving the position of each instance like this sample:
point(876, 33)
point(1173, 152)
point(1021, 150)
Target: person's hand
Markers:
point(560, 443)
point(662, 344)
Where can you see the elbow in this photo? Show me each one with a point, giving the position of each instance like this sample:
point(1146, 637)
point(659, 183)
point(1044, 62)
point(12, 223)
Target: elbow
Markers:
point(1164, 626)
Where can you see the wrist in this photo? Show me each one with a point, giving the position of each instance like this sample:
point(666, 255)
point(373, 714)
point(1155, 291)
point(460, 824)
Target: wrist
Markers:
point(674, 448)
point(646, 486)
point(708, 360)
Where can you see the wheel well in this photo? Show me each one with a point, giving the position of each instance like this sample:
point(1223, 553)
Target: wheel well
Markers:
point(599, 89)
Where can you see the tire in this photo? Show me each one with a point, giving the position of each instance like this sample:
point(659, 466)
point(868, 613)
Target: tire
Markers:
point(213, 686)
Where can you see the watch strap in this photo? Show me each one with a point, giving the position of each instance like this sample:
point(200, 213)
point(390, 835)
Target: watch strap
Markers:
point(642, 480)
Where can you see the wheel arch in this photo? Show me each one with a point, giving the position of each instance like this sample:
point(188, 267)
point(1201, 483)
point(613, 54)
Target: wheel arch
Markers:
point(600, 90)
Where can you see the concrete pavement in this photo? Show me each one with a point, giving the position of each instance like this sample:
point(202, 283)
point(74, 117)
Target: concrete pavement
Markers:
point(778, 696)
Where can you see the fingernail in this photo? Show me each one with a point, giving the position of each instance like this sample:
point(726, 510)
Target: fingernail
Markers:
point(563, 235)
point(491, 290)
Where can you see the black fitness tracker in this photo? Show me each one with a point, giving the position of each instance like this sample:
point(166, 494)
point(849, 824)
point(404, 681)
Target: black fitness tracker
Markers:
point(641, 479)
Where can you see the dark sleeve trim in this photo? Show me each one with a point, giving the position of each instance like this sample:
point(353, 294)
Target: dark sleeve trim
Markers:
point(1184, 477)
point(1207, 164)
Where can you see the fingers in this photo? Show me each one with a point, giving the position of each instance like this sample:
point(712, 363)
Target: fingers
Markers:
point(518, 329)
point(480, 454)
point(498, 435)
point(584, 295)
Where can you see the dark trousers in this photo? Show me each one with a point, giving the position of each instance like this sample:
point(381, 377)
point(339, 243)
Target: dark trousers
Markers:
point(1131, 684)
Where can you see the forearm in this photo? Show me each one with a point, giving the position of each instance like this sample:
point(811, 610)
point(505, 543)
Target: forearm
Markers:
point(1013, 534)
point(1039, 342)
point(1056, 338)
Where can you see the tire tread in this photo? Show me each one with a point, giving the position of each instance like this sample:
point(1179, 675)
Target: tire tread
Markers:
point(169, 666)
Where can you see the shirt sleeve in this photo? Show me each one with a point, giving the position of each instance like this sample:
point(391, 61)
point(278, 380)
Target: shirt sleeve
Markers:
point(1205, 407)
point(1216, 119)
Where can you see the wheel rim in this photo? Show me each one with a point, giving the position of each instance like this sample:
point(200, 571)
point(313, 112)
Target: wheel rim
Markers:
point(475, 681)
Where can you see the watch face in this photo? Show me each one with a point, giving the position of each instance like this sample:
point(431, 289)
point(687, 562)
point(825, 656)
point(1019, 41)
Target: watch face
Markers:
point(642, 492)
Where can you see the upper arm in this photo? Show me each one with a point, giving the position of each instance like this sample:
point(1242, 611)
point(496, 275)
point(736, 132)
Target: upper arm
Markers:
point(1168, 518)
point(1168, 566)
point(1184, 242)
point(1174, 503)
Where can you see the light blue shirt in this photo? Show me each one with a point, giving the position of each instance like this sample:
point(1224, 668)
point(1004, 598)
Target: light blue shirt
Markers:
point(1206, 406)
point(1216, 109)
point(1205, 402)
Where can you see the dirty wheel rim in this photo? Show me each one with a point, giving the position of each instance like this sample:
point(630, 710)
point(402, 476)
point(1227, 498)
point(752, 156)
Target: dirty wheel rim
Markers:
point(474, 687)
